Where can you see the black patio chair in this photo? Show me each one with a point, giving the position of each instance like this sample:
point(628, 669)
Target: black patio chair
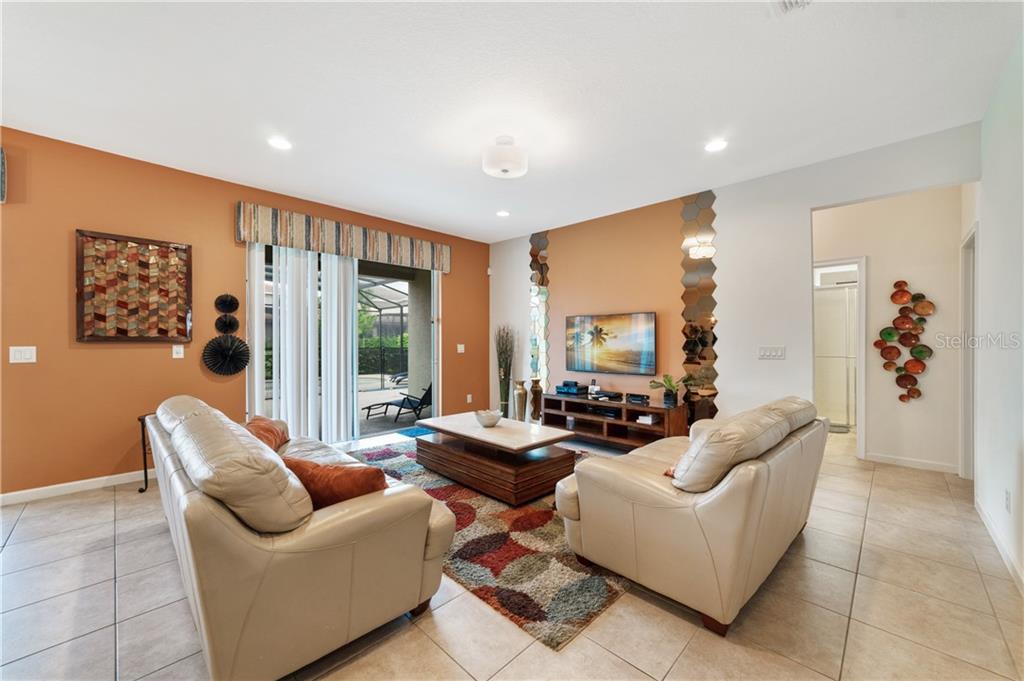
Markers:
point(415, 404)
point(406, 403)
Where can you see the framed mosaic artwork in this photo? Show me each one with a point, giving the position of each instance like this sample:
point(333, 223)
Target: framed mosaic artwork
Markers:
point(132, 289)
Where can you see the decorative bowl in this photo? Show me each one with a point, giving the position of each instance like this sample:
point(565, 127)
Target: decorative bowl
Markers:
point(488, 418)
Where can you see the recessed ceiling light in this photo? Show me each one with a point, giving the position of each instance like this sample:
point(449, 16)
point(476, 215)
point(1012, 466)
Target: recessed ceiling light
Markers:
point(279, 142)
point(716, 144)
point(503, 213)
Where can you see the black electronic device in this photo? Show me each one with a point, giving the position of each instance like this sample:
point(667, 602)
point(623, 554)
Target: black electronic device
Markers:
point(608, 395)
point(571, 389)
point(637, 398)
point(607, 412)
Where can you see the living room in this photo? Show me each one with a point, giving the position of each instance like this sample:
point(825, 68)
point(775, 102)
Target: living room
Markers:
point(289, 396)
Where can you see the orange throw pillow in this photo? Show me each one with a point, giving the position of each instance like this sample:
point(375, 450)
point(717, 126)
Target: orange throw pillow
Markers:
point(267, 432)
point(329, 484)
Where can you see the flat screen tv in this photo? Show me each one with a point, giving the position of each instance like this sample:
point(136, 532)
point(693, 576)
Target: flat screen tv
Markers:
point(611, 343)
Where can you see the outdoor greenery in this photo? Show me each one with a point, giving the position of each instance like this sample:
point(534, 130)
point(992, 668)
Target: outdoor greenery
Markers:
point(387, 342)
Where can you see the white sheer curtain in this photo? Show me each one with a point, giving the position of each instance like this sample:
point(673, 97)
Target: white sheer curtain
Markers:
point(339, 288)
point(296, 340)
point(256, 326)
point(312, 314)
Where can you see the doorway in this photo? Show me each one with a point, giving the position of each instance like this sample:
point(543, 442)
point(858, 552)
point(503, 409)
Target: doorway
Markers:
point(396, 349)
point(838, 301)
point(968, 251)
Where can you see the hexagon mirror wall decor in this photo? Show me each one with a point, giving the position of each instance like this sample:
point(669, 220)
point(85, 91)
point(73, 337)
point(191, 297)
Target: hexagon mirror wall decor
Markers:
point(699, 303)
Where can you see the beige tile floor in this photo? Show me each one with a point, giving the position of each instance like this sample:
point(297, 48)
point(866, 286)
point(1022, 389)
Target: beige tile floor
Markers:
point(893, 578)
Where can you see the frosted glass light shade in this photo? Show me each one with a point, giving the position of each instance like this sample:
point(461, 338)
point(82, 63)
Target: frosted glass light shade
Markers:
point(504, 159)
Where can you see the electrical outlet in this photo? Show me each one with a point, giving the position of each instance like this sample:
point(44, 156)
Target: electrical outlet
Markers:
point(177, 352)
point(469, 398)
point(1007, 500)
point(460, 348)
point(771, 352)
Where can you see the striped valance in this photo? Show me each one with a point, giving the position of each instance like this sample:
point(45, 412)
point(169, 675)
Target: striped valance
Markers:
point(265, 225)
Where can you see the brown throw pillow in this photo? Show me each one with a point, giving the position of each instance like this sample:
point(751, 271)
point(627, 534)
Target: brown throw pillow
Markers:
point(267, 432)
point(329, 484)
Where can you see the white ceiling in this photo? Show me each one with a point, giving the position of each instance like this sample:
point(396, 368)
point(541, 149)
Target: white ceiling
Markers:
point(388, 106)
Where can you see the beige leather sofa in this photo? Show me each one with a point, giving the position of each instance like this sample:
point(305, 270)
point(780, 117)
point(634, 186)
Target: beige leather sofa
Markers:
point(709, 550)
point(268, 602)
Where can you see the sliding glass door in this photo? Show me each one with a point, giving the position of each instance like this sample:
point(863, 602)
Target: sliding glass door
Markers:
point(348, 346)
point(395, 347)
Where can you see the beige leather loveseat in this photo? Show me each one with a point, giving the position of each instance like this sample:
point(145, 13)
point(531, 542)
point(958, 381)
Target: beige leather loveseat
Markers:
point(709, 550)
point(274, 585)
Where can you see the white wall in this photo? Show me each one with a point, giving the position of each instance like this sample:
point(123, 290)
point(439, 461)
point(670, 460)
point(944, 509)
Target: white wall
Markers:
point(764, 257)
point(510, 304)
point(999, 440)
point(915, 237)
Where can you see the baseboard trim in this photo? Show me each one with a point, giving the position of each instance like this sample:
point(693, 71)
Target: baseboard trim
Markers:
point(1015, 570)
point(36, 493)
point(923, 464)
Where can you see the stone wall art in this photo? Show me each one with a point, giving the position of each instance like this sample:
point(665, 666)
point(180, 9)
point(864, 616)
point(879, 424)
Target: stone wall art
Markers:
point(900, 345)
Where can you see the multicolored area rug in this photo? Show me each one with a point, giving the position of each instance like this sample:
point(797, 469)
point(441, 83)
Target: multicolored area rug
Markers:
point(514, 559)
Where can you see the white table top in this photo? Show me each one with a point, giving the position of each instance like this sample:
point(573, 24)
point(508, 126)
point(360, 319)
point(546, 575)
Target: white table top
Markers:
point(509, 435)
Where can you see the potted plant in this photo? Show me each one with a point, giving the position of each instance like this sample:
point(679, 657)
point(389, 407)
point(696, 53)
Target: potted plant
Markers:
point(671, 387)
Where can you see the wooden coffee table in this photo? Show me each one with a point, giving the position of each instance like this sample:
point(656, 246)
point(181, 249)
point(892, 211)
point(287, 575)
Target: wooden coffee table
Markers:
point(514, 462)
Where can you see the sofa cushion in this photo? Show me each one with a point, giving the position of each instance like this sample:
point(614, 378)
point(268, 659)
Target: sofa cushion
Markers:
point(665, 451)
point(228, 463)
point(328, 485)
point(268, 431)
point(315, 450)
point(173, 411)
point(714, 452)
point(797, 411)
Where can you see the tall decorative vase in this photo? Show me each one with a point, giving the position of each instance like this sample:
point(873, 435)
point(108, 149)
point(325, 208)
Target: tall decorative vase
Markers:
point(537, 394)
point(520, 393)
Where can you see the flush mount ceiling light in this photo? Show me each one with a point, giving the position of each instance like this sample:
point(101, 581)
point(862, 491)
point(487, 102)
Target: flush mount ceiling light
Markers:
point(503, 213)
point(504, 159)
point(279, 142)
point(716, 144)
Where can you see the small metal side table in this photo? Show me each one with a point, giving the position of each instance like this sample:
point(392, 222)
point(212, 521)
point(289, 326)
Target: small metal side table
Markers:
point(145, 447)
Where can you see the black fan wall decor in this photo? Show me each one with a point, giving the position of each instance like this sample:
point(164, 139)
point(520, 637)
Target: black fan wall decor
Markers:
point(226, 303)
point(226, 355)
point(226, 323)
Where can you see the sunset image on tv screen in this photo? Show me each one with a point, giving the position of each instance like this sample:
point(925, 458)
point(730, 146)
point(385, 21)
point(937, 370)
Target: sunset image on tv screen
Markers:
point(614, 343)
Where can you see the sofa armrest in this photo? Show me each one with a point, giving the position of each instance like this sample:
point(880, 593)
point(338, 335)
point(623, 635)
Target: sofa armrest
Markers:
point(355, 519)
point(638, 485)
point(567, 498)
point(440, 531)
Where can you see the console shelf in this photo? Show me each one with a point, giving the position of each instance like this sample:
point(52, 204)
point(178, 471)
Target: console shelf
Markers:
point(619, 427)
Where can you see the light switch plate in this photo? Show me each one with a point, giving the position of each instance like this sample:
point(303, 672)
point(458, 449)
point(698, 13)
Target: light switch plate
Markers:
point(771, 352)
point(177, 352)
point(460, 348)
point(22, 354)
point(469, 398)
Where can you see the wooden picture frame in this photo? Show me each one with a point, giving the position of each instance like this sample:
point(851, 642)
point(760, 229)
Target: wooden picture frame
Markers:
point(153, 305)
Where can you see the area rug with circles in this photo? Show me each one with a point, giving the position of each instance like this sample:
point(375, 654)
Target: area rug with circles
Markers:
point(514, 559)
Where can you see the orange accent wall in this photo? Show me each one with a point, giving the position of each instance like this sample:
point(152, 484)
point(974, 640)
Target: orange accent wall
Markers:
point(627, 262)
point(72, 415)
